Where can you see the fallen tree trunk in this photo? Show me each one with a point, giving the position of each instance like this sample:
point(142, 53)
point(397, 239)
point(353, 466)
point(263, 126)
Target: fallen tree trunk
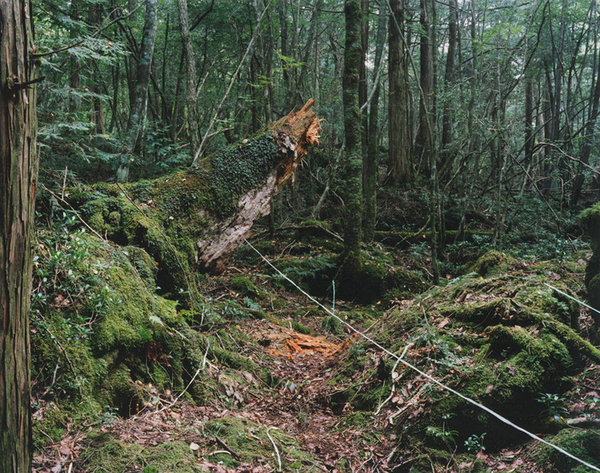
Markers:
point(291, 137)
point(197, 217)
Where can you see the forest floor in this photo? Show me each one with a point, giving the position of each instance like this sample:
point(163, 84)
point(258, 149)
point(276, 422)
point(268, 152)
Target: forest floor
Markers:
point(304, 418)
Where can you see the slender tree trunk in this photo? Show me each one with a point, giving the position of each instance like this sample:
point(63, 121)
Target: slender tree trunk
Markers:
point(310, 40)
point(191, 96)
point(423, 140)
point(18, 177)
point(285, 52)
point(362, 81)
point(546, 167)
point(448, 114)
point(139, 103)
point(529, 135)
point(97, 112)
point(352, 130)
point(588, 138)
point(370, 163)
point(399, 164)
point(74, 64)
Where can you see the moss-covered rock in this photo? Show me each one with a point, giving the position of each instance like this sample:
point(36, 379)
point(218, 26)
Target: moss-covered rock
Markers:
point(582, 443)
point(590, 219)
point(494, 262)
point(246, 287)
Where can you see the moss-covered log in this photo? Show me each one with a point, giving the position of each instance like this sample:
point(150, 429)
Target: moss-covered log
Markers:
point(200, 216)
point(244, 179)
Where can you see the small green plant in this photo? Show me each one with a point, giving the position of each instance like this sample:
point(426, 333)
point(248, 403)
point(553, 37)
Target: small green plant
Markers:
point(554, 405)
point(446, 436)
point(474, 444)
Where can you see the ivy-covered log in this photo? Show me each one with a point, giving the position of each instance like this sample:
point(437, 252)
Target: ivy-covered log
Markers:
point(197, 217)
point(245, 178)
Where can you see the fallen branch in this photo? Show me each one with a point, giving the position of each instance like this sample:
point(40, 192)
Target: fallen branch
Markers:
point(276, 450)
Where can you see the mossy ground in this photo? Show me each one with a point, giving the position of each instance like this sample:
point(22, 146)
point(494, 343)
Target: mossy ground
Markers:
point(119, 327)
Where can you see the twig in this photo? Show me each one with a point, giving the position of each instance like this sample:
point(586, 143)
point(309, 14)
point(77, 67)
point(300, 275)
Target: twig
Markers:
point(62, 194)
point(276, 450)
point(393, 379)
point(95, 33)
point(172, 403)
point(56, 196)
point(232, 452)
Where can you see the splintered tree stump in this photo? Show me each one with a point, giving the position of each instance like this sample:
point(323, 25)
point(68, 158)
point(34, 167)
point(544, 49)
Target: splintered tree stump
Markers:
point(289, 140)
point(198, 217)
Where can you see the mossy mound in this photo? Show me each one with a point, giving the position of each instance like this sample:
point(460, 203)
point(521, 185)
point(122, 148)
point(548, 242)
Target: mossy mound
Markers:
point(590, 219)
point(100, 333)
point(248, 446)
point(583, 443)
point(503, 340)
point(367, 284)
point(246, 287)
point(494, 262)
point(112, 456)
point(251, 443)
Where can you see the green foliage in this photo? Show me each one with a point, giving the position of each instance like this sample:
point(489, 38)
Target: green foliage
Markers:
point(474, 443)
point(554, 405)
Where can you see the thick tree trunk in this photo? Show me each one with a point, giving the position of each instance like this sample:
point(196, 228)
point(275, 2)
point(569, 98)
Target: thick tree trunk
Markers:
point(18, 175)
point(352, 132)
point(399, 165)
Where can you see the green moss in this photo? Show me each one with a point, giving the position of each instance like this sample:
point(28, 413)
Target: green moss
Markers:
point(494, 262)
point(144, 264)
point(238, 169)
point(113, 456)
point(245, 287)
point(481, 313)
point(301, 328)
point(590, 218)
point(584, 444)
point(249, 440)
point(127, 323)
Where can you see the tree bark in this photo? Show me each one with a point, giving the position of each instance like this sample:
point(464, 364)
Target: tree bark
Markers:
point(448, 114)
point(191, 101)
point(399, 165)
point(139, 103)
point(423, 145)
point(352, 131)
point(370, 162)
point(18, 176)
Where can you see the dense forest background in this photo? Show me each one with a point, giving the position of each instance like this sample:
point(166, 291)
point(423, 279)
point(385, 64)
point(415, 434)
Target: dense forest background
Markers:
point(442, 212)
point(479, 107)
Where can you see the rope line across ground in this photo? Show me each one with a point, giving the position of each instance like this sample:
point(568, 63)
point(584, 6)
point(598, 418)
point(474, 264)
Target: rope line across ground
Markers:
point(422, 373)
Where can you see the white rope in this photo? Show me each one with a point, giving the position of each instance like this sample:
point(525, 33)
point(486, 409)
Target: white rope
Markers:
point(422, 373)
point(572, 298)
